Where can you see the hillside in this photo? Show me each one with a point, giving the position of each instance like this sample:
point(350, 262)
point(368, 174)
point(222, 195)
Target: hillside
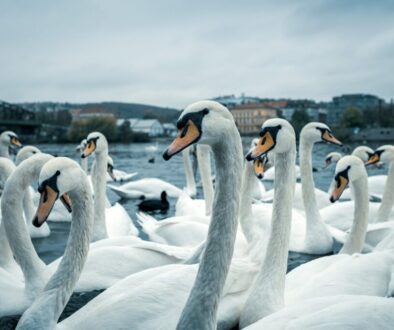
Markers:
point(119, 109)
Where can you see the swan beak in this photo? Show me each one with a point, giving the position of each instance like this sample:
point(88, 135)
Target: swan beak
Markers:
point(90, 147)
point(66, 202)
point(110, 170)
point(47, 200)
point(339, 186)
point(259, 168)
point(265, 144)
point(327, 136)
point(16, 142)
point(186, 136)
point(373, 159)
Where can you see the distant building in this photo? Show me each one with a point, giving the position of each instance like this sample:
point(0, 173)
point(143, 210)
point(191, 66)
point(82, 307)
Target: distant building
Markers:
point(152, 127)
point(340, 104)
point(170, 129)
point(231, 101)
point(17, 119)
point(314, 114)
point(249, 117)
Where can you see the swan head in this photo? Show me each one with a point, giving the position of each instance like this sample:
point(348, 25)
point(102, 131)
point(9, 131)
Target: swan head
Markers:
point(57, 177)
point(25, 153)
point(276, 135)
point(9, 138)
point(332, 157)
point(199, 122)
point(260, 164)
point(384, 154)
point(110, 168)
point(349, 168)
point(95, 142)
point(363, 152)
point(81, 146)
point(318, 132)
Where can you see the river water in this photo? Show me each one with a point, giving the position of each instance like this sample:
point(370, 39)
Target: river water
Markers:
point(134, 158)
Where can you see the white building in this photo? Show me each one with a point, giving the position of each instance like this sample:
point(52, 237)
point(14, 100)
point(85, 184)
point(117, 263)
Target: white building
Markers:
point(170, 129)
point(152, 127)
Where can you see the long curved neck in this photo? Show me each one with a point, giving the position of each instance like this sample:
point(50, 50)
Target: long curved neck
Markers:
point(245, 209)
point(356, 237)
point(267, 293)
point(4, 150)
point(201, 307)
point(388, 197)
point(6, 258)
point(84, 164)
point(28, 205)
point(204, 164)
point(12, 214)
point(48, 306)
point(190, 181)
point(99, 184)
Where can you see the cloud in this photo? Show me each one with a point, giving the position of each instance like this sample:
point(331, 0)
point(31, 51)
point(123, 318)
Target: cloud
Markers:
point(171, 52)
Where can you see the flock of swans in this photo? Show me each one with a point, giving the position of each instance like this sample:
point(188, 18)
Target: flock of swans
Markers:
point(199, 269)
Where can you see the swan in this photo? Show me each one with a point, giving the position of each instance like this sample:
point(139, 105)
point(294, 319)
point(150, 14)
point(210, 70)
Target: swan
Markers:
point(109, 260)
point(170, 298)
point(199, 207)
point(105, 221)
point(7, 167)
point(190, 188)
point(8, 139)
point(376, 183)
point(57, 178)
point(339, 215)
point(324, 276)
point(145, 188)
point(308, 198)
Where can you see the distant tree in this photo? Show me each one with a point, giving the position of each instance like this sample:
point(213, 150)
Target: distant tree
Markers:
point(299, 119)
point(353, 117)
point(124, 132)
point(80, 129)
point(150, 115)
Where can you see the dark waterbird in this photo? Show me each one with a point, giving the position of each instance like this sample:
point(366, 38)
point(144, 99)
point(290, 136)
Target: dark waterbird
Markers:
point(151, 205)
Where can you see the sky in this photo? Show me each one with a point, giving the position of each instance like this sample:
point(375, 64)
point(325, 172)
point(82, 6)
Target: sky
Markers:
point(172, 53)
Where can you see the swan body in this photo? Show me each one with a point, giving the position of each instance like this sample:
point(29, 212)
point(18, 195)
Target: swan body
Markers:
point(149, 188)
point(334, 312)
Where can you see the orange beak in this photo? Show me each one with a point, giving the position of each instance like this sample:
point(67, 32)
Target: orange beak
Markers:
point(265, 144)
point(340, 186)
point(327, 136)
point(47, 200)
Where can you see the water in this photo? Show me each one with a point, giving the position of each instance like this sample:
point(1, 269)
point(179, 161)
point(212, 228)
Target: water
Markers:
point(134, 158)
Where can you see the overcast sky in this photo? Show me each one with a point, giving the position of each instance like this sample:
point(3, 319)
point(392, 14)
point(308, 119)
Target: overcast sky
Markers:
point(171, 53)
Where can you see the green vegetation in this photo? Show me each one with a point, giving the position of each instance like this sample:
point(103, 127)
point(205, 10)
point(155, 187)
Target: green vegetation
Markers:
point(353, 117)
point(299, 119)
point(80, 129)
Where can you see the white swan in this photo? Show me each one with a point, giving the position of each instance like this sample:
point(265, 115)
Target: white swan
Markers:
point(8, 139)
point(191, 189)
point(110, 220)
point(109, 260)
point(324, 276)
point(338, 215)
point(199, 207)
point(152, 302)
point(56, 179)
point(376, 183)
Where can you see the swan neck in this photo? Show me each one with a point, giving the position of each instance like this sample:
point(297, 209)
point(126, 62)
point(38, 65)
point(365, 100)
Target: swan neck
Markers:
point(204, 165)
point(190, 181)
point(84, 164)
point(267, 293)
point(99, 175)
point(388, 197)
point(4, 151)
point(245, 209)
point(18, 235)
point(204, 298)
point(356, 237)
point(60, 286)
